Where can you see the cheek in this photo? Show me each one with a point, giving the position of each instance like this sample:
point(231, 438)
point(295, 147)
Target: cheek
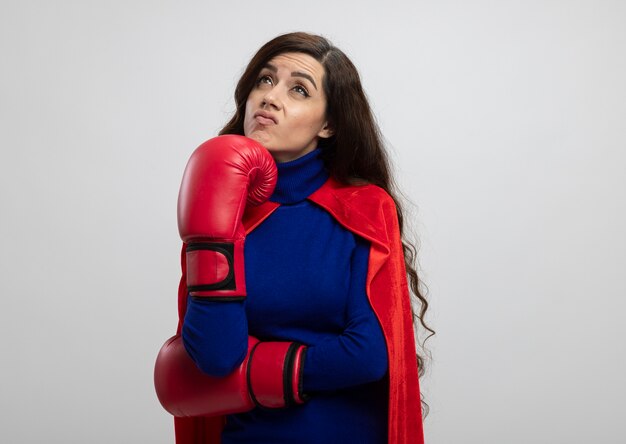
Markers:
point(305, 114)
point(246, 117)
point(248, 109)
point(312, 120)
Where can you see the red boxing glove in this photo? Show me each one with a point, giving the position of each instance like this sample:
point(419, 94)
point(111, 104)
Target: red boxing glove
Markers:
point(270, 376)
point(275, 372)
point(221, 176)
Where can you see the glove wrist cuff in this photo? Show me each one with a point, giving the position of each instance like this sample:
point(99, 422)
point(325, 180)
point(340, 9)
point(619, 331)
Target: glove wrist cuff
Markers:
point(216, 270)
point(275, 374)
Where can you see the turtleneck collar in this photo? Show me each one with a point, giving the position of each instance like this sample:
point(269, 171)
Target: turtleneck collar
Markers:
point(299, 178)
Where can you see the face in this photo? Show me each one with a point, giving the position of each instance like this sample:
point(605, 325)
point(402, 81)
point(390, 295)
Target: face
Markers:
point(286, 110)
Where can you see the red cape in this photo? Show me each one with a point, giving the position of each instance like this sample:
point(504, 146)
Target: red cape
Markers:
point(369, 212)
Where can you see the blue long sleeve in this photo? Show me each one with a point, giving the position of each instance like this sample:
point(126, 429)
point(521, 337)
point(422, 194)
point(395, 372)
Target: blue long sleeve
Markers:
point(305, 277)
point(215, 335)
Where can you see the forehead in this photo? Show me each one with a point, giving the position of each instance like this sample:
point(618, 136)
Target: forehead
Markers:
point(298, 62)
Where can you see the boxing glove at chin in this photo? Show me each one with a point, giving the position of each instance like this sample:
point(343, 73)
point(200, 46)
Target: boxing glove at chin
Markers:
point(270, 376)
point(223, 175)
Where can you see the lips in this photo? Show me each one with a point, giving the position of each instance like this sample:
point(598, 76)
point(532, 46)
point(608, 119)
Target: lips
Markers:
point(265, 118)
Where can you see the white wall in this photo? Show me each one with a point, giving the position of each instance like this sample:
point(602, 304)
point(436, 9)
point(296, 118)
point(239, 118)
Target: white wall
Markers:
point(506, 120)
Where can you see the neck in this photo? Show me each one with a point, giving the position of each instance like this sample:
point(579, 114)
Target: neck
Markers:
point(298, 178)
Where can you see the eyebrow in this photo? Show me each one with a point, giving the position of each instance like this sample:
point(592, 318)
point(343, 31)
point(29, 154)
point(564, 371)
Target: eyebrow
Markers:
point(293, 74)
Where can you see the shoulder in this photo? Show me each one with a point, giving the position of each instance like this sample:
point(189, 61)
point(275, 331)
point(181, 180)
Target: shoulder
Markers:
point(365, 209)
point(365, 194)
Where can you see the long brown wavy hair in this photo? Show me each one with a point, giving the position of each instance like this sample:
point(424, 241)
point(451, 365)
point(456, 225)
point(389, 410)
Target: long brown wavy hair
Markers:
point(355, 153)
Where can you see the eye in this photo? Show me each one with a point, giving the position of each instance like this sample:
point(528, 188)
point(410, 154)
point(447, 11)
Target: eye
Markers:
point(264, 79)
point(301, 90)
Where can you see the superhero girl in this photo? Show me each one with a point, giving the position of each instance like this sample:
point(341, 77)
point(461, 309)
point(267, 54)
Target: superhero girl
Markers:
point(306, 334)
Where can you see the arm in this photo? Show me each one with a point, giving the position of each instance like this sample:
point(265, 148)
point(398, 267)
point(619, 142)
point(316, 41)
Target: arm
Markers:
point(359, 354)
point(221, 176)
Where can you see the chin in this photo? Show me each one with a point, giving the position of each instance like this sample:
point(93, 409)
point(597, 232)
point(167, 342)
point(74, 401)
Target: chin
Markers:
point(263, 139)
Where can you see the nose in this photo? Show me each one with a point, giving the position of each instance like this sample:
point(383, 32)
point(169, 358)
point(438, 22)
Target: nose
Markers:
point(271, 100)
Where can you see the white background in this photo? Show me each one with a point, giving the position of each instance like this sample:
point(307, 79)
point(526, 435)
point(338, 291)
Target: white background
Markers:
point(506, 121)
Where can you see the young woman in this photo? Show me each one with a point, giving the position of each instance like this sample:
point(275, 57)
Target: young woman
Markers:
point(325, 271)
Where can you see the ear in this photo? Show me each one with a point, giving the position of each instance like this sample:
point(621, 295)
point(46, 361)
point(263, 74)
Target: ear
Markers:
point(326, 131)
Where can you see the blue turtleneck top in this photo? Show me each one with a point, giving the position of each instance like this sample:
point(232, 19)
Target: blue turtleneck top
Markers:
point(305, 279)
